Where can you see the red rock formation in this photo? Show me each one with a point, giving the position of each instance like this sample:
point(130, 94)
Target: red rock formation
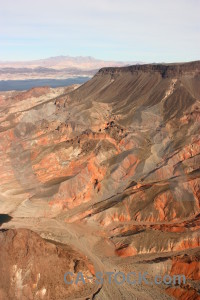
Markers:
point(183, 294)
point(187, 265)
point(120, 153)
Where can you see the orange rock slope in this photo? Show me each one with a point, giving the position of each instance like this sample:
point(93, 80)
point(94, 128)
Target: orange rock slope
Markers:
point(120, 153)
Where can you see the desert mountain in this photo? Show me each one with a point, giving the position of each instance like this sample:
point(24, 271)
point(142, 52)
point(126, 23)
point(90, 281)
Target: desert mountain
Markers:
point(112, 169)
point(60, 62)
point(54, 67)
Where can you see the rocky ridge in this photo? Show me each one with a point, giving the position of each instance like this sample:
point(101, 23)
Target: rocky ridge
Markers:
point(118, 156)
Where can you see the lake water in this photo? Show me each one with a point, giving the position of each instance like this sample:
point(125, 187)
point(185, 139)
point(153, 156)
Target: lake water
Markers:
point(4, 218)
point(20, 85)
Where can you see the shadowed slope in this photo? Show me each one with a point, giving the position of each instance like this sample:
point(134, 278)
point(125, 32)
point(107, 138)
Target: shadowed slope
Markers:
point(118, 155)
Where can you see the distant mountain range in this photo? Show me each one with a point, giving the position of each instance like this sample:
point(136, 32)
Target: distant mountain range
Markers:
point(55, 67)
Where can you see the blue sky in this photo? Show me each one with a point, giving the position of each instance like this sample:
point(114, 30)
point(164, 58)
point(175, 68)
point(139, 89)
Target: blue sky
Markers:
point(123, 30)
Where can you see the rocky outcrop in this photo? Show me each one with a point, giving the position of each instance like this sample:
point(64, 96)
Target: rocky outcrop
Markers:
point(166, 70)
point(33, 268)
point(120, 154)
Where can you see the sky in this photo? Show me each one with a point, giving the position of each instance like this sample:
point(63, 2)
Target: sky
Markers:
point(120, 30)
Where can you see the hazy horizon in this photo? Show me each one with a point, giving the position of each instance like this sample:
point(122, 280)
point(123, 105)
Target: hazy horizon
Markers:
point(60, 56)
point(92, 57)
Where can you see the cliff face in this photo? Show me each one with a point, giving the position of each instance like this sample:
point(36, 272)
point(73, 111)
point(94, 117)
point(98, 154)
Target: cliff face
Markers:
point(119, 155)
point(165, 70)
